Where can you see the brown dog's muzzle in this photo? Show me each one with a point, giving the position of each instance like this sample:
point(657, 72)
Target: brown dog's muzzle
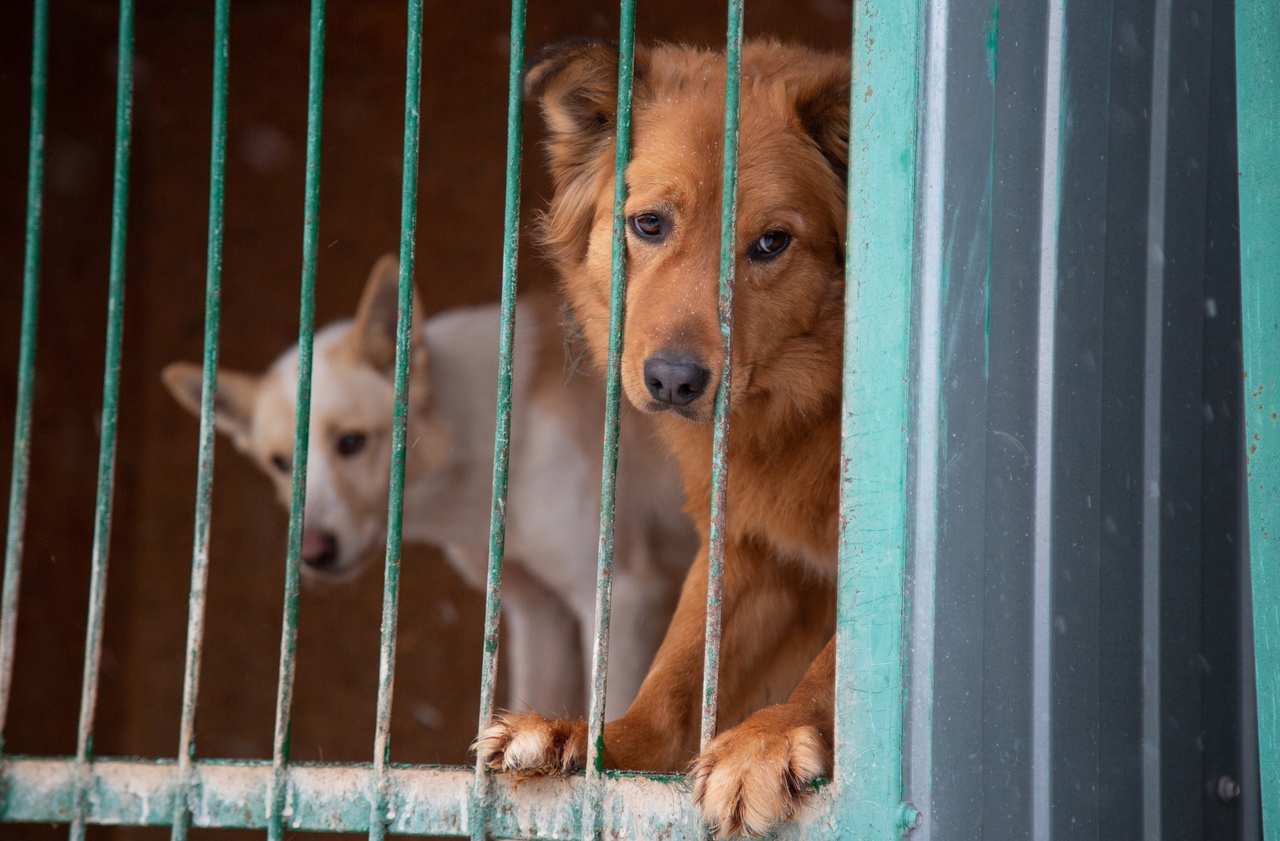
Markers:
point(675, 378)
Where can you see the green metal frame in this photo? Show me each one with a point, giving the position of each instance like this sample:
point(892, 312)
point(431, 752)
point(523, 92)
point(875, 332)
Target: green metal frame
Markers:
point(1258, 88)
point(865, 799)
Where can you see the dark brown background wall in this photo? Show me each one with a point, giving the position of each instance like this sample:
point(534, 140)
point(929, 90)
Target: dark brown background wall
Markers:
point(466, 49)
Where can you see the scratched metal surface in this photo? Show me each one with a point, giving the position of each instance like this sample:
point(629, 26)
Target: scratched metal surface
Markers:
point(1075, 665)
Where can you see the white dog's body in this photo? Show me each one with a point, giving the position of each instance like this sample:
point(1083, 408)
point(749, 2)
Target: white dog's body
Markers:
point(548, 593)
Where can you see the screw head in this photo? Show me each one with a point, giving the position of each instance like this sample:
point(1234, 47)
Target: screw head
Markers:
point(1227, 788)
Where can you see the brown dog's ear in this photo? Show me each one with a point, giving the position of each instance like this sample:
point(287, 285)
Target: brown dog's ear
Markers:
point(375, 328)
point(234, 397)
point(822, 107)
point(577, 84)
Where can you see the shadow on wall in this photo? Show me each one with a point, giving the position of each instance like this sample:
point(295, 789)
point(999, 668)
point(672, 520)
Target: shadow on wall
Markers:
point(458, 250)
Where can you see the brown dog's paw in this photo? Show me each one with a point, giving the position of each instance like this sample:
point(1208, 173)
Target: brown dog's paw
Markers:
point(753, 776)
point(529, 744)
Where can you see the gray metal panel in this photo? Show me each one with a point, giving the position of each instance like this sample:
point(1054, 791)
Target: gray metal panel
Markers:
point(1077, 666)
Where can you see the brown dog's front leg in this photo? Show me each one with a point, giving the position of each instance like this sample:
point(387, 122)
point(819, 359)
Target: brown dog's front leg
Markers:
point(756, 774)
point(764, 602)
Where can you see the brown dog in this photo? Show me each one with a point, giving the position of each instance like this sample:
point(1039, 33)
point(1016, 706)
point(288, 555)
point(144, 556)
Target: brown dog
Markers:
point(780, 563)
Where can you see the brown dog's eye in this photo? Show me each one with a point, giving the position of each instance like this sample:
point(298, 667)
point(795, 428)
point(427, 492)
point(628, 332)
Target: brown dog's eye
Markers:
point(280, 463)
point(351, 443)
point(649, 226)
point(771, 244)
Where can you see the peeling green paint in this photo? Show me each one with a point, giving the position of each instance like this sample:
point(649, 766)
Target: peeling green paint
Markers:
point(875, 495)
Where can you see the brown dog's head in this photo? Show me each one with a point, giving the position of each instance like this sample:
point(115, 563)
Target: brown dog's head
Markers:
point(793, 155)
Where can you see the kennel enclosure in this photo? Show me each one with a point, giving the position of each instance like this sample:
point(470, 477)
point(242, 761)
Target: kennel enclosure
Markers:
point(1044, 622)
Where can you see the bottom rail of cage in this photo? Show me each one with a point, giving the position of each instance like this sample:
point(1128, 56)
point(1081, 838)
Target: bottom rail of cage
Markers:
point(424, 800)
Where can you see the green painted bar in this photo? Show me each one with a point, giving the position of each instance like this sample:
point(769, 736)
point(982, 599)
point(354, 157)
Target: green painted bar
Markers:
point(26, 361)
point(110, 414)
point(1258, 124)
point(306, 330)
point(593, 791)
point(335, 798)
point(380, 816)
point(720, 441)
point(204, 474)
point(479, 801)
point(870, 693)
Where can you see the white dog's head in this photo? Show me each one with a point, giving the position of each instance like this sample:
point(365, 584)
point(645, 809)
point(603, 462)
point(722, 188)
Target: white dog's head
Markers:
point(349, 453)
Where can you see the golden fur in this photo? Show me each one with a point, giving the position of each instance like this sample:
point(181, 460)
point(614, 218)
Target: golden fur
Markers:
point(780, 563)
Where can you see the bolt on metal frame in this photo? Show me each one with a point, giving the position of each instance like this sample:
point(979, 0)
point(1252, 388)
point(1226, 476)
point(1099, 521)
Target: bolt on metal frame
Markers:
point(865, 798)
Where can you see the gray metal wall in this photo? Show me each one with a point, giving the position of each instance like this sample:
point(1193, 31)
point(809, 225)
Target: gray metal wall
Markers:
point(1077, 669)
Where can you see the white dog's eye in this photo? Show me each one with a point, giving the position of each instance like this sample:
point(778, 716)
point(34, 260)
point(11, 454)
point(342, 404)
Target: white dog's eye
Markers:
point(650, 226)
point(770, 244)
point(351, 443)
point(280, 463)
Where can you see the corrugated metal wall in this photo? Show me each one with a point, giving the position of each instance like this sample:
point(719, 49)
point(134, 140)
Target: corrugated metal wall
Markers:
point(1076, 645)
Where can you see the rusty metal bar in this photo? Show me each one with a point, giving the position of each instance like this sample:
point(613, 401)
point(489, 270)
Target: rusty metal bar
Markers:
point(478, 808)
point(26, 361)
point(306, 329)
point(204, 476)
point(382, 812)
point(720, 441)
point(110, 414)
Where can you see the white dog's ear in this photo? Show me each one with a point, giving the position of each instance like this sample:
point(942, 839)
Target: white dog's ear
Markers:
point(234, 397)
point(375, 327)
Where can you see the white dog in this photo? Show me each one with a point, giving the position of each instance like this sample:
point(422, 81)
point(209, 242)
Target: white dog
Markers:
point(548, 592)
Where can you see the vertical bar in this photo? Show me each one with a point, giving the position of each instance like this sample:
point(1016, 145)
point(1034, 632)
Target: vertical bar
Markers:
point(720, 442)
point(306, 328)
point(379, 816)
point(927, 401)
point(1042, 755)
point(110, 411)
point(875, 447)
point(204, 475)
point(26, 361)
point(478, 812)
point(1258, 118)
point(593, 791)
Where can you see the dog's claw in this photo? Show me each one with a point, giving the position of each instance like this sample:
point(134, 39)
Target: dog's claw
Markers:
point(750, 778)
point(528, 744)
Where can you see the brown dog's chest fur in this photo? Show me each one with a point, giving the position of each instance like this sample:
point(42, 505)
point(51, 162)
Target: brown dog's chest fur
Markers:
point(783, 484)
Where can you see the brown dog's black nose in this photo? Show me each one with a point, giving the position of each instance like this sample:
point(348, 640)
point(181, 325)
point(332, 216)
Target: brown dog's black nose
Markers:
point(677, 381)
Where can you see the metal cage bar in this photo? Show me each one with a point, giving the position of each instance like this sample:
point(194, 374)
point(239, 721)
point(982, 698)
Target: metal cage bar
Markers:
point(875, 448)
point(1258, 86)
point(479, 800)
point(110, 414)
point(306, 331)
point(381, 814)
point(204, 475)
point(594, 790)
point(720, 438)
point(26, 361)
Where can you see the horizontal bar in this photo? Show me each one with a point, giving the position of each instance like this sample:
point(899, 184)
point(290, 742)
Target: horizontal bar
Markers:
point(422, 800)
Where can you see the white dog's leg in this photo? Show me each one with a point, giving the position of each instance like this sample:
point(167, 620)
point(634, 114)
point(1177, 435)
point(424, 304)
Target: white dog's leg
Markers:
point(543, 659)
